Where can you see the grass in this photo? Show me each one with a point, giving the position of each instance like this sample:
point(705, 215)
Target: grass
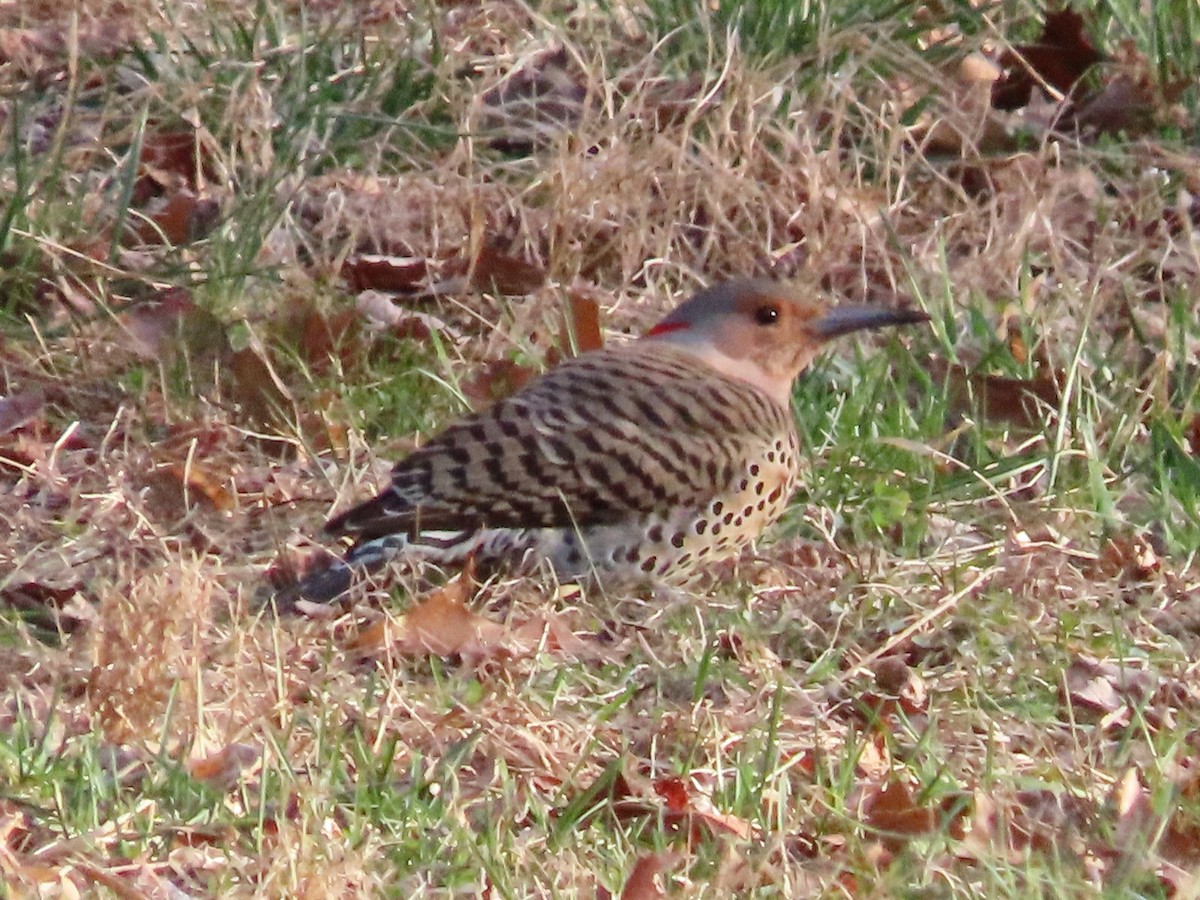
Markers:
point(931, 620)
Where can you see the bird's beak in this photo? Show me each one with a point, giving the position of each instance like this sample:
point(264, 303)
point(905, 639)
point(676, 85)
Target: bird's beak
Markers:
point(856, 317)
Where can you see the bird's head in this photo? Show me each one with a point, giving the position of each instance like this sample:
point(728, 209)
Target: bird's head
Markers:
point(766, 332)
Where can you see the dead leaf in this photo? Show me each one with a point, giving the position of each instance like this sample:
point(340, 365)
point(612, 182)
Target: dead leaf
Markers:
point(324, 338)
point(1105, 692)
point(1060, 57)
point(582, 328)
point(1125, 104)
point(676, 800)
point(255, 388)
point(19, 409)
point(181, 218)
point(1128, 557)
point(555, 634)
point(1020, 402)
point(889, 807)
point(497, 380)
point(392, 274)
point(200, 483)
point(498, 272)
point(895, 678)
point(171, 159)
point(153, 326)
point(439, 625)
point(379, 311)
point(222, 769)
point(641, 883)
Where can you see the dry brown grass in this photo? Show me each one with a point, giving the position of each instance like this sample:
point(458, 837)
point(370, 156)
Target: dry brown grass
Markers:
point(159, 732)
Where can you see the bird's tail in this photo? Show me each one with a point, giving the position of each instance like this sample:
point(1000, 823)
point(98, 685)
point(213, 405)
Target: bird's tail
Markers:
point(368, 557)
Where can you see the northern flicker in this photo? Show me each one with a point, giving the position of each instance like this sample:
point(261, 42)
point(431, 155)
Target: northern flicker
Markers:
point(639, 461)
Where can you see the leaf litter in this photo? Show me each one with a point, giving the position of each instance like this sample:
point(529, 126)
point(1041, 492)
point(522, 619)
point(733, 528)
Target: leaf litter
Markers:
point(137, 532)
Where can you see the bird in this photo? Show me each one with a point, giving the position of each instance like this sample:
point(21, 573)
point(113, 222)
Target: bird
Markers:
point(640, 461)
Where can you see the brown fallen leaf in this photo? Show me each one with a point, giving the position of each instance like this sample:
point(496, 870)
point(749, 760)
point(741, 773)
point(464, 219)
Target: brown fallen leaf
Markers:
point(1021, 402)
point(1059, 58)
point(254, 386)
point(439, 624)
point(200, 483)
point(326, 337)
point(495, 381)
point(1129, 558)
point(222, 769)
point(499, 272)
point(901, 684)
point(19, 409)
point(180, 219)
point(889, 807)
point(641, 882)
point(1104, 692)
point(152, 327)
point(581, 331)
point(171, 158)
point(391, 274)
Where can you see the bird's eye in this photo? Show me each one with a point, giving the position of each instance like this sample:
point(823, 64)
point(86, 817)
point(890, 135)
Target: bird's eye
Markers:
point(767, 314)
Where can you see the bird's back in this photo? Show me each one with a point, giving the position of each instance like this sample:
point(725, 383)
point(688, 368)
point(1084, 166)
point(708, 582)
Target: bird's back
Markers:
point(604, 438)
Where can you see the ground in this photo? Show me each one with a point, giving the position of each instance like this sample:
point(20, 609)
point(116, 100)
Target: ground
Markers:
point(250, 254)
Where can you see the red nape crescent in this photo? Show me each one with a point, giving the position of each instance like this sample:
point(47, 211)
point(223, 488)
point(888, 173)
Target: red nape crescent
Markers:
point(666, 328)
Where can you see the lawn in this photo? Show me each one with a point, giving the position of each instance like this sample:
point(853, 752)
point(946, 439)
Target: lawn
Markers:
point(253, 253)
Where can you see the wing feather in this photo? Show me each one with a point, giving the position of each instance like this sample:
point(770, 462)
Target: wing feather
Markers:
point(609, 435)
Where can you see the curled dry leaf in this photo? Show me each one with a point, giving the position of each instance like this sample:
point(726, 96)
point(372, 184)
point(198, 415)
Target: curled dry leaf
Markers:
point(222, 769)
point(1020, 402)
point(390, 274)
point(682, 807)
point(1060, 57)
point(1097, 690)
point(495, 381)
point(502, 273)
point(200, 483)
point(1128, 557)
point(582, 327)
point(180, 219)
point(890, 807)
point(380, 312)
point(171, 158)
point(641, 884)
point(19, 409)
point(901, 684)
point(440, 624)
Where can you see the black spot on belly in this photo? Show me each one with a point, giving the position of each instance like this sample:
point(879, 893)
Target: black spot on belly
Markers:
point(677, 539)
point(649, 563)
